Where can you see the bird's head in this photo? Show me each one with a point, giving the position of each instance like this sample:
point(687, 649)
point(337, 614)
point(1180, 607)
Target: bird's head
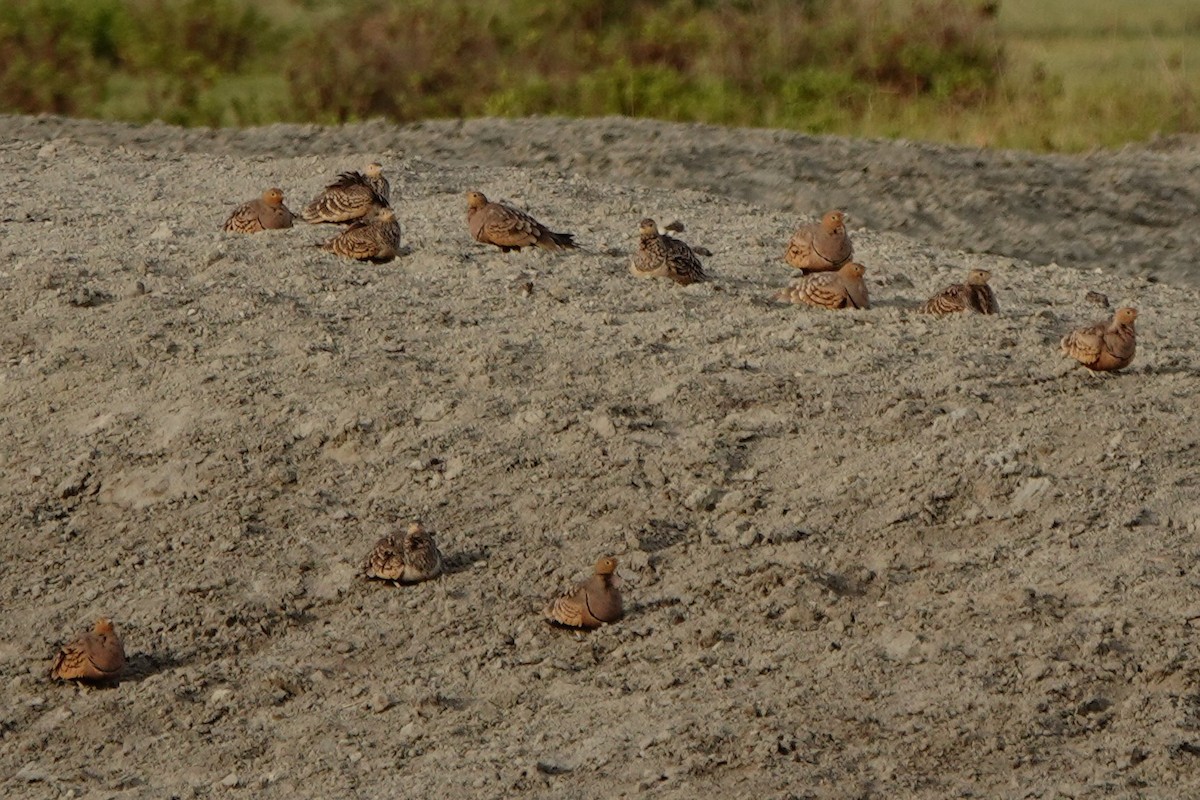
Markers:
point(834, 222)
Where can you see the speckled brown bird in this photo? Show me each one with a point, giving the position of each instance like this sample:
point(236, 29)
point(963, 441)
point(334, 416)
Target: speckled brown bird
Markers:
point(974, 295)
point(1104, 346)
point(96, 656)
point(351, 197)
point(842, 289)
point(593, 602)
point(820, 246)
point(260, 214)
point(510, 228)
point(375, 177)
point(412, 559)
point(675, 226)
point(662, 256)
point(375, 238)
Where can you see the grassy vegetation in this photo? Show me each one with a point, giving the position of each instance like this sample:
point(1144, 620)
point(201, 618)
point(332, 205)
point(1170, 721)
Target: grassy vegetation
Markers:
point(1044, 75)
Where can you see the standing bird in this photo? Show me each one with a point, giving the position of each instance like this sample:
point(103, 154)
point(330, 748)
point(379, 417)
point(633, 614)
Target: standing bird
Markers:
point(352, 196)
point(662, 256)
point(260, 214)
point(1104, 346)
point(842, 289)
point(375, 238)
point(593, 602)
point(510, 228)
point(974, 295)
point(820, 246)
point(96, 656)
point(413, 559)
point(374, 173)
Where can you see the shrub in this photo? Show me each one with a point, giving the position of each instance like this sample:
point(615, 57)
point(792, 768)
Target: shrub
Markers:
point(55, 55)
point(686, 59)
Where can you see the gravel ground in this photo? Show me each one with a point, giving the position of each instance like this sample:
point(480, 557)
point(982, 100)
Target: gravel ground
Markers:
point(867, 553)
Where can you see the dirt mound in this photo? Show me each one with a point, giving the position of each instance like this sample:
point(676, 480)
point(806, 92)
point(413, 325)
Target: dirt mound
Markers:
point(867, 553)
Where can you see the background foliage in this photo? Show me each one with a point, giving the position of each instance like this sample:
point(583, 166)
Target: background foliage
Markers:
point(1043, 75)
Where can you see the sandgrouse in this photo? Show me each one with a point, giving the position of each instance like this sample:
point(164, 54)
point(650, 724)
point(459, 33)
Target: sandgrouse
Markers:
point(675, 226)
point(375, 177)
point(262, 213)
point(1104, 346)
point(351, 196)
point(591, 603)
point(95, 656)
point(411, 559)
point(842, 289)
point(662, 256)
point(974, 295)
point(510, 228)
point(375, 238)
point(820, 246)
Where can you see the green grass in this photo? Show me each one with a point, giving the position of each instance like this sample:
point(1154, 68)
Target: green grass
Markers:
point(1068, 19)
point(1045, 75)
point(1098, 74)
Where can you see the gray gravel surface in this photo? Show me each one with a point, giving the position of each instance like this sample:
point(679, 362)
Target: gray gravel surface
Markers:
point(867, 553)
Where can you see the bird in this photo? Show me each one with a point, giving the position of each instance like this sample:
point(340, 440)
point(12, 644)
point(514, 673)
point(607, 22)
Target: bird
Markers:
point(1104, 346)
point(375, 238)
point(375, 177)
point(820, 246)
point(351, 196)
point(662, 256)
point(511, 228)
point(591, 603)
point(982, 296)
point(974, 295)
point(260, 214)
point(842, 289)
point(675, 226)
point(411, 559)
point(96, 656)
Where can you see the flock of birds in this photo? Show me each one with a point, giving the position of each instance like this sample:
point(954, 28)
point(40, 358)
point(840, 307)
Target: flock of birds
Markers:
point(98, 656)
point(821, 251)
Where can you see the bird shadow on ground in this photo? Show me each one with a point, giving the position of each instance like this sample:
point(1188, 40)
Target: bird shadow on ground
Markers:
point(635, 608)
point(140, 666)
point(463, 560)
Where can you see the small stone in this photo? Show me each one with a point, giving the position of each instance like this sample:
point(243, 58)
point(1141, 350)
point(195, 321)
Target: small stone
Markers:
point(702, 499)
point(1025, 498)
point(162, 232)
point(380, 701)
point(31, 773)
point(231, 780)
point(603, 425)
point(663, 393)
point(901, 646)
point(454, 466)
